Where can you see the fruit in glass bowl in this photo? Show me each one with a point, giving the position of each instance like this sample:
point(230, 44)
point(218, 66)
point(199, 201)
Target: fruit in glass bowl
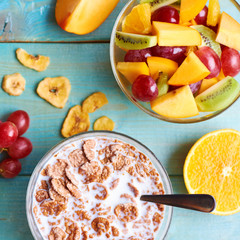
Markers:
point(189, 53)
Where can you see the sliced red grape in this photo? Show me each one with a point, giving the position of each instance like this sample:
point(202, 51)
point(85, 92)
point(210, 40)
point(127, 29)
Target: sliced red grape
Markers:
point(201, 18)
point(138, 55)
point(21, 148)
point(21, 119)
point(210, 59)
point(195, 86)
point(230, 62)
point(10, 168)
point(8, 134)
point(166, 14)
point(144, 88)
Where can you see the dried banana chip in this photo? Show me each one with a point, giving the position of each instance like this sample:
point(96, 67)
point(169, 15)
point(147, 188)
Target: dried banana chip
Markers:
point(104, 123)
point(13, 84)
point(75, 122)
point(94, 101)
point(55, 90)
point(38, 63)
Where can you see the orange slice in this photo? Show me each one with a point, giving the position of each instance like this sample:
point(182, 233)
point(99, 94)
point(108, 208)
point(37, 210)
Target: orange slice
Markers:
point(138, 20)
point(213, 166)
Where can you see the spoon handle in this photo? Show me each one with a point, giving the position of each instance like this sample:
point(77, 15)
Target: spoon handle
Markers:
point(199, 202)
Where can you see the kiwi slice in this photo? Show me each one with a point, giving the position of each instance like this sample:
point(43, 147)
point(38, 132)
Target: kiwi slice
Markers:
point(155, 4)
point(219, 96)
point(208, 38)
point(132, 41)
point(162, 84)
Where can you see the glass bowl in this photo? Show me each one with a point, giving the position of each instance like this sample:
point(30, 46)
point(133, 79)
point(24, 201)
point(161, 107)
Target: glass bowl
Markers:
point(124, 138)
point(117, 55)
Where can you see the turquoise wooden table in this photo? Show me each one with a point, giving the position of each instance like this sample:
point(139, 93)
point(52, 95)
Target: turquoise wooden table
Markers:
point(30, 24)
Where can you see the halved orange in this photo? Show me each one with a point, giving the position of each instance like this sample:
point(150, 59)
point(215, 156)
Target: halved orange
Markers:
point(138, 20)
point(213, 167)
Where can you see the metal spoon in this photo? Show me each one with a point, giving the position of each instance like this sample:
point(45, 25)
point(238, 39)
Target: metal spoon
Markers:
point(199, 202)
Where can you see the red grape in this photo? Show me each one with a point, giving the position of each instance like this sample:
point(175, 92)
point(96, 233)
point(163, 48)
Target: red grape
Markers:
point(201, 18)
point(21, 119)
point(8, 134)
point(195, 86)
point(173, 53)
point(166, 14)
point(210, 59)
point(10, 168)
point(230, 62)
point(20, 149)
point(144, 88)
point(138, 55)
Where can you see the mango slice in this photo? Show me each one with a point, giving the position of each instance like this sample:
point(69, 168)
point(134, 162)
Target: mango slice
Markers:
point(131, 70)
point(179, 103)
point(214, 13)
point(83, 16)
point(75, 122)
point(229, 32)
point(191, 71)
point(159, 64)
point(207, 83)
point(170, 34)
point(55, 90)
point(189, 9)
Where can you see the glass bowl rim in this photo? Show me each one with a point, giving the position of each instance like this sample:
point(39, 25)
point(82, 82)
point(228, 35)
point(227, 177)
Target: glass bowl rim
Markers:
point(111, 134)
point(135, 102)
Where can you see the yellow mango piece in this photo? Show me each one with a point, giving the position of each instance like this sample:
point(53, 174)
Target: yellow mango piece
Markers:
point(189, 9)
point(207, 83)
point(179, 103)
point(131, 70)
point(83, 16)
point(221, 76)
point(214, 13)
point(138, 20)
point(159, 64)
point(170, 34)
point(190, 71)
point(229, 32)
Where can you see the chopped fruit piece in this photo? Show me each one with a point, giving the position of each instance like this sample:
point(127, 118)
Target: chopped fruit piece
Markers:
point(158, 64)
point(76, 122)
point(212, 167)
point(190, 9)
point(210, 59)
point(14, 84)
point(195, 86)
point(156, 4)
point(219, 96)
point(214, 13)
point(208, 38)
point(103, 124)
point(131, 70)
point(221, 76)
point(201, 18)
point(162, 84)
point(192, 70)
point(229, 32)
point(38, 63)
point(144, 88)
point(138, 20)
point(82, 16)
point(55, 90)
point(138, 55)
point(170, 34)
point(94, 102)
point(179, 103)
point(132, 41)
point(190, 49)
point(166, 14)
point(207, 83)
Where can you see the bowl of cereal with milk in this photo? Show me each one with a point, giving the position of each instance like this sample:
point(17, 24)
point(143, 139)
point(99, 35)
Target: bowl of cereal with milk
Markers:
point(89, 187)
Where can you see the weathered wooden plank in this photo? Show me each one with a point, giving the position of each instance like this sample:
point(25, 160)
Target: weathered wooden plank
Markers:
point(90, 72)
point(187, 225)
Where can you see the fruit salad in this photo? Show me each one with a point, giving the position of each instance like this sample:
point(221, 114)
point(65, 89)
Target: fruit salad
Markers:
point(181, 56)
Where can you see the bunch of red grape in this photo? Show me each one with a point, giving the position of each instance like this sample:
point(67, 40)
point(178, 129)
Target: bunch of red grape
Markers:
point(11, 140)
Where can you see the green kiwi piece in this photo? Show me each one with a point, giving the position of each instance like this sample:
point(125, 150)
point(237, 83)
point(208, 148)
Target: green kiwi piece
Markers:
point(132, 41)
point(219, 96)
point(155, 4)
point(162, 84)
point(208, 38)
